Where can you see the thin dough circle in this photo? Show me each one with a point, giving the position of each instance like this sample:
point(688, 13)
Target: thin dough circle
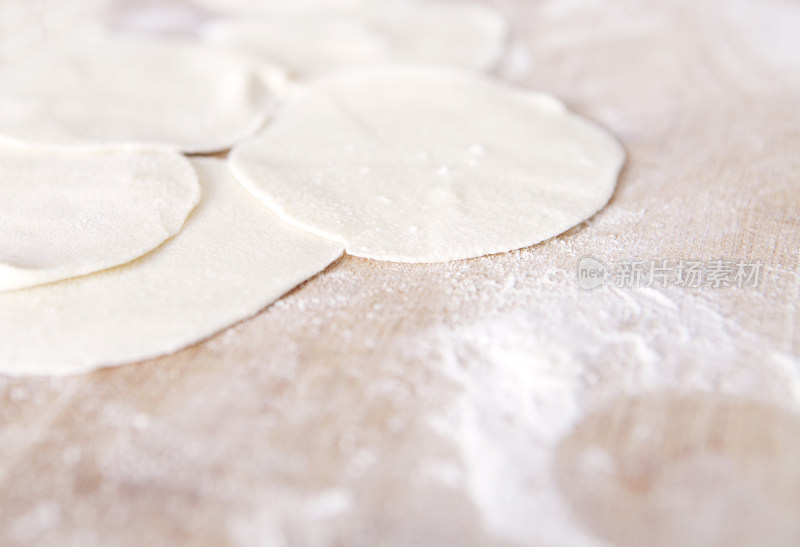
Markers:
point(262, 7)
point(130, 94)
point(464, 35)
point(65, 215)
point(26, 26)
point(232, 258)
point(429, 164)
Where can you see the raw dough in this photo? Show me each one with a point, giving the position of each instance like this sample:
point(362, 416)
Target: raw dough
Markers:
point(232, 258)
point(264, 7)
point(309, 43)
point(135, 94)
point(64, 215)
point(429, 164)
point(26, 25)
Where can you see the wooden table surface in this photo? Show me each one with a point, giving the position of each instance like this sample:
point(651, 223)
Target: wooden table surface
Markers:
point(491, 401)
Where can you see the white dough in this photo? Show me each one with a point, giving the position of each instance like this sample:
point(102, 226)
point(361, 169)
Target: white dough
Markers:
point(232, 258)
point(262, 7)
point(26, 25)
point(135, 94)
point(64, 215)
point(309, 43)
point(428, 164)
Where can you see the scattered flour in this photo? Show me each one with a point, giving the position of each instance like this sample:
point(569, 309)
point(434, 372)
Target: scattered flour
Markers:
point(527, 375)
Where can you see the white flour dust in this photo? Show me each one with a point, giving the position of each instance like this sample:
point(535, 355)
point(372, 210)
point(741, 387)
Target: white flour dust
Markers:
point(527, 375)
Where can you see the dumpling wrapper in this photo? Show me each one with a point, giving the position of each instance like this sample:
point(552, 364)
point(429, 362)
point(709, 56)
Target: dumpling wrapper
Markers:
point(261, 7)
point(26, 25)
point(64, 215)
point(429, 164)
point(232, 258)
point(135, 94)
point(309, 43)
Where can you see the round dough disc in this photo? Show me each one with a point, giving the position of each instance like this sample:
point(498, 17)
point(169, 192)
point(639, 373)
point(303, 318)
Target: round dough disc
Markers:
point(429, 164)
point(64, 215)
point(26, 26)
point(131, 94)
point(263, 7)
point(457, 34)
point(232, 258)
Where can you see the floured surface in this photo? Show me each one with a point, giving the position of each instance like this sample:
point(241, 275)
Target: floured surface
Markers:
point(417, 164)
point(232, 258)
point(64, 215)
point(391, 31)
point(458, 403)
point(127, 94)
